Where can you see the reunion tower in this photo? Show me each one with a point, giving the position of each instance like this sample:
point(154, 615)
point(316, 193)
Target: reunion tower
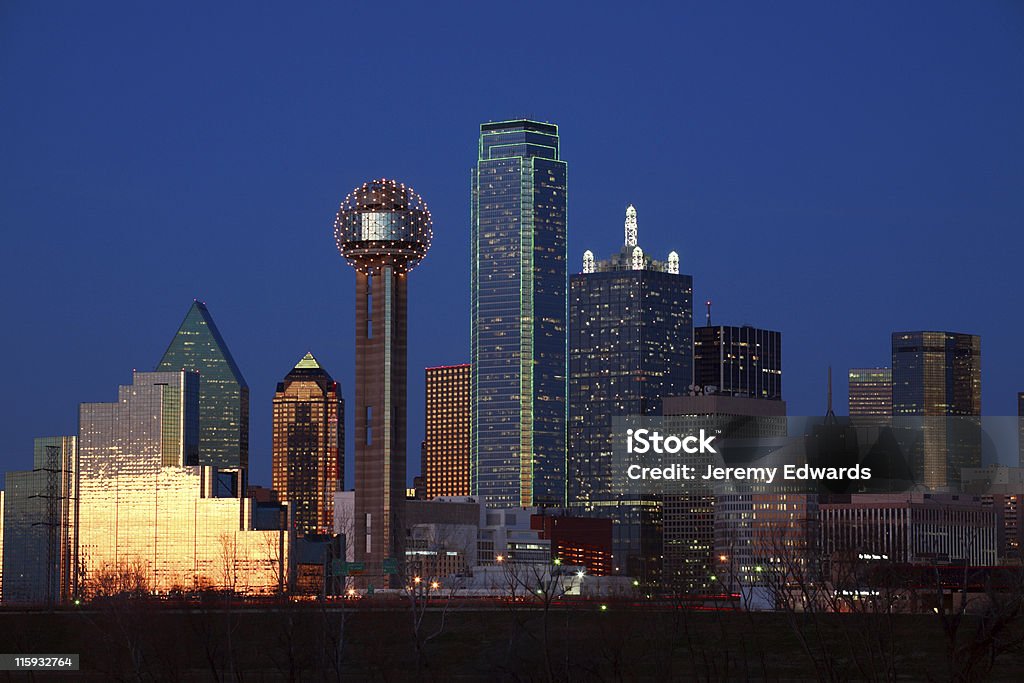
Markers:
point(383, 230)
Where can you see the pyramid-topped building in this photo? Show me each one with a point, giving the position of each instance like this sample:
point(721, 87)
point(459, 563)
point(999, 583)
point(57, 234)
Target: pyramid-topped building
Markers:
point(308, 461)
point(223, 393)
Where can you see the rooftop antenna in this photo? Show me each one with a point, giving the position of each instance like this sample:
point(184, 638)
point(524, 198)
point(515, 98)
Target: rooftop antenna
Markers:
point(830, 416)
point(631, 226)
point(708, 303)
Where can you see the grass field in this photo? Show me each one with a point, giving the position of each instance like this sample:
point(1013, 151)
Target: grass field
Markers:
point(133, 641)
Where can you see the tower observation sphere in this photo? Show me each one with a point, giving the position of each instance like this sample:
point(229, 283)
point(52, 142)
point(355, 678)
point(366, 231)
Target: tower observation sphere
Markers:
point(383, 223)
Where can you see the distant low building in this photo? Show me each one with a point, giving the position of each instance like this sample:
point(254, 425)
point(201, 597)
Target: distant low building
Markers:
point(910, 528)
point(579, 541)
point(39, 512)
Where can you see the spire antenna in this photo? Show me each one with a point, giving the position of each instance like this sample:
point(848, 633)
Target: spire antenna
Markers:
point(830, 416)
point(631, 228)
point(708, 303)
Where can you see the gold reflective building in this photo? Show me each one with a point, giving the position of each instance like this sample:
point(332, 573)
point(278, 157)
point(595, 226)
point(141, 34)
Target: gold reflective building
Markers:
point(149, 523)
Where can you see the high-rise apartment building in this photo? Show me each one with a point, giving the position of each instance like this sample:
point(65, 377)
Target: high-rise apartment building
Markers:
point(518, 303)
point(937, 376)
point(870, 392)
point(147, 520)
point(223, 396)
point(308, 458)
point(38, 556)
point(446, 449)
point(738, 361)
point(630, 345)
point(383, 229)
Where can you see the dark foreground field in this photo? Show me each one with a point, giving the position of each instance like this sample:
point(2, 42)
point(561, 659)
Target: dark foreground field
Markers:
point(129, 641)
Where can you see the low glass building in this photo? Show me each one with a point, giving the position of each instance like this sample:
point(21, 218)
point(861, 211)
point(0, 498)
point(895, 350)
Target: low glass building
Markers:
point(147, 521)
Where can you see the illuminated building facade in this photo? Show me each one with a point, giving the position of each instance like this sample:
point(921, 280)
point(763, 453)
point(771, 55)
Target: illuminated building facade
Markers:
point(689, 520)
point(39, 511)
point(446, 449)
point(149, 522)
point(937, 376)
point(578, 541)
point(383, 229)
point(870, 392)
point(911, 527)
point(308, 456)
point(223, 398)
point(738, 361)
point(518, 301)
point(630, 345)
point(764, 539)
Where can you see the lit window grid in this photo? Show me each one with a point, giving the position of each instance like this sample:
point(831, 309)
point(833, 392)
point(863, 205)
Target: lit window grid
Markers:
point(307, 460)
point(448, 426)
point(146, 522)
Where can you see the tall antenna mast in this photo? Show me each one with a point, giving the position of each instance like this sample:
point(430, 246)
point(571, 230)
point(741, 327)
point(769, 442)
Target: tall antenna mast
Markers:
point(708, 302)
point(830, 416)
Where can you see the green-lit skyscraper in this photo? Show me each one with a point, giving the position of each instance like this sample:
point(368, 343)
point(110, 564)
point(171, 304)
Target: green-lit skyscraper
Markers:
point(223, 393)
point(518, 316)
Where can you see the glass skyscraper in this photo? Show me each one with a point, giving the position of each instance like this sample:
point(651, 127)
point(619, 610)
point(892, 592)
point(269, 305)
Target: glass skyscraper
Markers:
point(308, 459)
point(223, 393)
point(738, 361)
point(630, 345)
point(937, 376)
point(518, 310)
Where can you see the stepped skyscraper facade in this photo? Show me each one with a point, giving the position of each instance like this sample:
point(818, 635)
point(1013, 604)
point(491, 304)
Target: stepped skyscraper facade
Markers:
point(518, 315)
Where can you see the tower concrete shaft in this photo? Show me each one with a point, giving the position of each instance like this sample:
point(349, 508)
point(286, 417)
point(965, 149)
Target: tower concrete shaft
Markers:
point(380, 419)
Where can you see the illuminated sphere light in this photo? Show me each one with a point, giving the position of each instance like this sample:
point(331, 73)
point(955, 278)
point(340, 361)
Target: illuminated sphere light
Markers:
point(383, 223)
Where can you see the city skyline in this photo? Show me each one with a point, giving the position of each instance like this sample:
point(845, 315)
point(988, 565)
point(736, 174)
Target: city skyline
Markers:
point(740, 190)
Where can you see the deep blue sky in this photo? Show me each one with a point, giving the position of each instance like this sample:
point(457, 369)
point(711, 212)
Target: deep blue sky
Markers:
point(836, 173)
